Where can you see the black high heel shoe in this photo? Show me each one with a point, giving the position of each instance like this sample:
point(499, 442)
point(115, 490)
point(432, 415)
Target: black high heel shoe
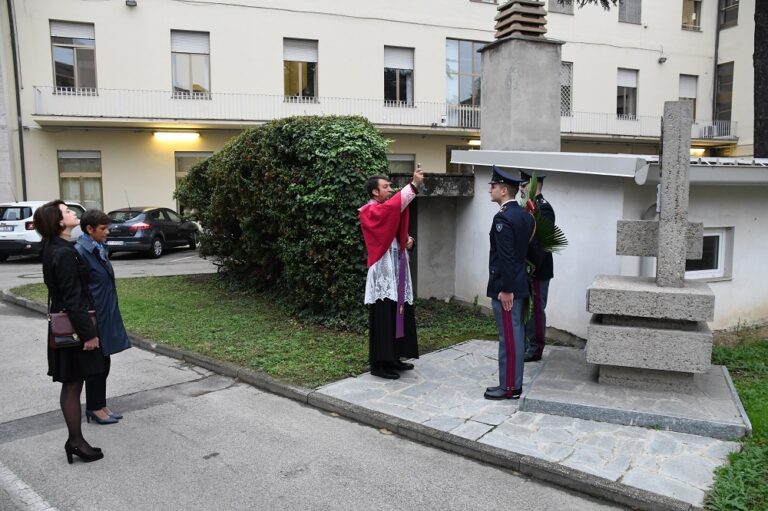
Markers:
point(87, 458)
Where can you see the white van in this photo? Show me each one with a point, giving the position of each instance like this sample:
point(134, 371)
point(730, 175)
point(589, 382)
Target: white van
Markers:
point(17, 230)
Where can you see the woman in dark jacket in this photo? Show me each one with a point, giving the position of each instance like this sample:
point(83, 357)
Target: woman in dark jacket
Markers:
point(112, 335)
point(66, 277)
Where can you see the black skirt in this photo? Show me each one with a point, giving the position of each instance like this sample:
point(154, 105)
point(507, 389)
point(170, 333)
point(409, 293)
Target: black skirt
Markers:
point(383, 347)
point(73, 364)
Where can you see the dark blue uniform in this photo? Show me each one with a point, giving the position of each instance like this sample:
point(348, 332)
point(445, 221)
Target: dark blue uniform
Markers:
point(535, 329)
point(510, 234)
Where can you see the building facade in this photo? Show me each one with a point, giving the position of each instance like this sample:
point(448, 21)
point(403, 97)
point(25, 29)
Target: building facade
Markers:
point(118, 99)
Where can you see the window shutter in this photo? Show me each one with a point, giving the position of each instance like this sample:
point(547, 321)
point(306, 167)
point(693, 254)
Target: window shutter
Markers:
point(78, 154)
point(627, 78)
point(190, 42)
point(72, 30)
point(398, 58)
point(688, 86)
point(300, 50)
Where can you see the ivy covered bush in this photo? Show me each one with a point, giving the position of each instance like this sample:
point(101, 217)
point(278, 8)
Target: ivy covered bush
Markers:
point(279, 205)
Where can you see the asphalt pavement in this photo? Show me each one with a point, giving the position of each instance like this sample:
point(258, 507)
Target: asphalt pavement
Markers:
point(192, 439)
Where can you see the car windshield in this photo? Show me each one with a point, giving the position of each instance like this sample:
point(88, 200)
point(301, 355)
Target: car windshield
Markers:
point(11, 213)
point(123, 215)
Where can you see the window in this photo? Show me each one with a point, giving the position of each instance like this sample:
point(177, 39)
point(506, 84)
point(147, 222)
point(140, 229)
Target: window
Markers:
point(626, 94)
point(463, 69)
point(401, 163)
point(300, 69)
point(717, 253)
point(688, 86)
point(566, 88)
point(398, 75)
point(457, 168)
point(73, 46)
point(80, 177)
point(629, 11)
point(691, 15)
point(184, 162)
point(191, 61)
point(729, 13)
point(723, 91)
point(563, 8)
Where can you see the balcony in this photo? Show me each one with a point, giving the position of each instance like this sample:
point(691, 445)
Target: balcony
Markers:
point(640, 126)
point(120, 106)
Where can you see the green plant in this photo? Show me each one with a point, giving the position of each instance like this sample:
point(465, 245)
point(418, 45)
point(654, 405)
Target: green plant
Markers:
point(280, 203)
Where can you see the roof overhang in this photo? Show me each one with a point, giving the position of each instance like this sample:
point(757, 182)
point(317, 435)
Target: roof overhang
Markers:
point(644, 169)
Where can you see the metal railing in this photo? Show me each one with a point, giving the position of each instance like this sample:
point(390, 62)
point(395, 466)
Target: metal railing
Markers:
point(589, 123)
point(149, 104)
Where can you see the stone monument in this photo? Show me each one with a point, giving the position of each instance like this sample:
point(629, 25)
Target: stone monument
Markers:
point(646, 332)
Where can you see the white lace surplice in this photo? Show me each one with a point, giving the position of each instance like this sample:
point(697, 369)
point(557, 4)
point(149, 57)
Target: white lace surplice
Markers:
point(382, 276)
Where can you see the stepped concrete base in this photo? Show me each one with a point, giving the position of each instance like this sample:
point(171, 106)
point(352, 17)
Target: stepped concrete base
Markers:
point(646, 379)
point(640, 296)
point(567, 385)
point(678, 346)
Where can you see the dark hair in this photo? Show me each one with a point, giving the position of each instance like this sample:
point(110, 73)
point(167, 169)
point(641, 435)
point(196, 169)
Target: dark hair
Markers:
point(48, 218)
point(373, 184)
point(93, 218)
point(511, 189)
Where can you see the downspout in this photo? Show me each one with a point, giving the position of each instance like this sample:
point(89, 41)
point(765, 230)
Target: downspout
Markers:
point(717, 51)
point(16, 81)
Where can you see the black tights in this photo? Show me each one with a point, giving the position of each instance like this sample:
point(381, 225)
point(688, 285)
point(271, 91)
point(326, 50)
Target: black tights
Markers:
point(70, 407)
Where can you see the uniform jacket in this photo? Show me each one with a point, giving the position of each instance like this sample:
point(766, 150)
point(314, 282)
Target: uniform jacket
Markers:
point(511, 229)
point(66, 276)
point(544, 266)
point(101, 281)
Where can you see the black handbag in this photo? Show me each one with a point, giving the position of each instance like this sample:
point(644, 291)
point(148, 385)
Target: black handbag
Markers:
point(63, 334)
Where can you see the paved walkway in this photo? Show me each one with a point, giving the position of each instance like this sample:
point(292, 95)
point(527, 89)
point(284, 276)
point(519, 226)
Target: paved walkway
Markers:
point(445, 392)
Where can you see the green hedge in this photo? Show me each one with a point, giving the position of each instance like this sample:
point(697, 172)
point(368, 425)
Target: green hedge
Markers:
point(280, 204)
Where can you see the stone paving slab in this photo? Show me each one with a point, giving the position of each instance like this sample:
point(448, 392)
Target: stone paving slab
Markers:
point(567, 385)
point(443, 394)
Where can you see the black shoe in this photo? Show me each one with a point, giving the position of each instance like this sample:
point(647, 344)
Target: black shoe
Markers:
point(500, 393)
point(383, 372)
point(399, 365)
point(492, 389)
point(532, 357)
point(86, 457)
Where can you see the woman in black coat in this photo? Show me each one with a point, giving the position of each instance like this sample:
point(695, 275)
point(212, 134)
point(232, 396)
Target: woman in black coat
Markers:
point(66, 277)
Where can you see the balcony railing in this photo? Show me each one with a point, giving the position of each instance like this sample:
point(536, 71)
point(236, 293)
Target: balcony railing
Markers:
point(147, 104)
point(587, 123)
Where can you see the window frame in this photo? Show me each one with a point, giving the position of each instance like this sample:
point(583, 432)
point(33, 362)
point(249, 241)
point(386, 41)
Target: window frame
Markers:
point(194, 95)
point(722, 271)
point(623, 91)
point(179, 174)
point(399, 72)
point(77, 90)
point(569, 112)
point(474, 74)
point(696, 26)
point(718, 84)
point(401, 157)
point(624, 12)
point(301, 97)
point(80, 176)
point(726, 7)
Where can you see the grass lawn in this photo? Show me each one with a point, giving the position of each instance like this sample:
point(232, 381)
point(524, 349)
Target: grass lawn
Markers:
point(194, 313)
point(743, 483)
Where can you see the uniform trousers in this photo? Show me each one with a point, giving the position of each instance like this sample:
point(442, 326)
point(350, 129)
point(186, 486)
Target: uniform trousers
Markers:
point(534, 345)
point(518, 352)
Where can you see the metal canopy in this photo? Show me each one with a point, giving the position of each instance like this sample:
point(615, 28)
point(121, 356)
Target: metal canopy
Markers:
point(644, 169)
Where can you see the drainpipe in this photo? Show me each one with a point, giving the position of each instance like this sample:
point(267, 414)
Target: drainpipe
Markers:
point(17, 86)
point(717, 51)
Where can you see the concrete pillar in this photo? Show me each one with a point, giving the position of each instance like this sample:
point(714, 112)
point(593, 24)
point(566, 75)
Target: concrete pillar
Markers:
point(520, 98)
point(673, 197)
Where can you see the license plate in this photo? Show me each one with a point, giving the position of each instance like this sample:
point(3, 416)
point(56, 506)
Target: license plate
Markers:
point(6, 228)
point(115, 243)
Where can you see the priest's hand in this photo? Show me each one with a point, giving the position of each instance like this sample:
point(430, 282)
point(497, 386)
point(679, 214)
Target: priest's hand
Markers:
point(410, 243)
point(418, 177)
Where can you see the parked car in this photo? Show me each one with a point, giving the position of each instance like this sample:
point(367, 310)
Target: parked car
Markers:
point(150, 230)
point(17, 230)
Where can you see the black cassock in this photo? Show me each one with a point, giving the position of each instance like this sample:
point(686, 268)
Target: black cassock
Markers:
point(383, 347)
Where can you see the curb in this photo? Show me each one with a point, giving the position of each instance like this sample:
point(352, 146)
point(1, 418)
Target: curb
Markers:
point(535, 468)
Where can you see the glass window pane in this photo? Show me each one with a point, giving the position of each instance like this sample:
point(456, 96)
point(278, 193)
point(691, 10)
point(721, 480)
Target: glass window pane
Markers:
point(64, 66)
point(70, 189)
point(390, 84)
point(173, 217)
point(201, 81)
point(86, 68)
point(478, 64)
point(476, 91)
point(91, 198)
point(406, 86)
point(452, 88)
point(451, 56)
point(310, 81)
point(291, 78)
point(181, 72)
point(465, 56)
point(710, 254)
point(79, 165)
point(465, 89)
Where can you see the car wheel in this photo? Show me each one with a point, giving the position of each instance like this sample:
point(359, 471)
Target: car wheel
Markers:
point(156, 249)
point(193, 241)
point(3, 257)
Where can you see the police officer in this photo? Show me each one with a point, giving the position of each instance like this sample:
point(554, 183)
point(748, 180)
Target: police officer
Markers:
point(511, 232)
point(536, 326)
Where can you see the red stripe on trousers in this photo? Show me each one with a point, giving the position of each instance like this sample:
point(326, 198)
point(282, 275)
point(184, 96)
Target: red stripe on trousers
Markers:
point(509, 345)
